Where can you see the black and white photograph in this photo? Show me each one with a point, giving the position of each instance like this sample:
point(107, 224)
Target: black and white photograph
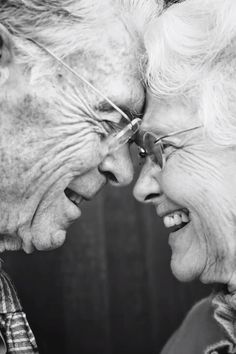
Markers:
point(117, 176)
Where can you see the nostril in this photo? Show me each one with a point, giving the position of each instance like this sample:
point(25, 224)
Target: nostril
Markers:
point(151, 196)
point(110, 176)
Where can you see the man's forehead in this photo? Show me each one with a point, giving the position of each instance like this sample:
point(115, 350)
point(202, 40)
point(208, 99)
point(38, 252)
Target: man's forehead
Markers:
point(130, 104)
point(113, 67)
point(117, 45)
point(124, 89)
point(106, 65)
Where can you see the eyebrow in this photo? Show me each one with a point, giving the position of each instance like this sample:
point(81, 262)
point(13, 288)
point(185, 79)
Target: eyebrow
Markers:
point(105, 106)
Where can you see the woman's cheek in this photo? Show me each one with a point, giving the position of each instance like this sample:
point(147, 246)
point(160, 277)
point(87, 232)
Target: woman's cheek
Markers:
point(184, 178)
point(174, 179)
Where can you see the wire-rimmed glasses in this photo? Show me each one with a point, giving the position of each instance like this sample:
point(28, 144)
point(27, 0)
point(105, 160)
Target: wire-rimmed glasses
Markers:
point(115, 140)
point(152, 146)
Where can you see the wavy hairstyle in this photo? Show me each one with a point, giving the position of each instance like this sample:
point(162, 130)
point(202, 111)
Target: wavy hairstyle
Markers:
point(68, 26)
point(192, 53)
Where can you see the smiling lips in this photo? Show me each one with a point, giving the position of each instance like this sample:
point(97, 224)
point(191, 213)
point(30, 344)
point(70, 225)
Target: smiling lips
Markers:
point(176, 219)
point(73, 196)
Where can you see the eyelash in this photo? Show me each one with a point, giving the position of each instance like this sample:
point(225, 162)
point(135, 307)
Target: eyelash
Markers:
point(169, 146)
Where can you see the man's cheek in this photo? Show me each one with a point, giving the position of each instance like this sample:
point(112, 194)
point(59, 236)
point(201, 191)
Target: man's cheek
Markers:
point(89, 154)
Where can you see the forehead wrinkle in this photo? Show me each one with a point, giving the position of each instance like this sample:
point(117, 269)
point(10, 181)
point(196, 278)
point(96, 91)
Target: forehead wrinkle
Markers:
point(105, 73)
point(76, 109)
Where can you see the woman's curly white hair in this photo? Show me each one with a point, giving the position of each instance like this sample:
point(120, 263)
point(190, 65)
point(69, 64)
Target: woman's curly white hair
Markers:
point(192, 53)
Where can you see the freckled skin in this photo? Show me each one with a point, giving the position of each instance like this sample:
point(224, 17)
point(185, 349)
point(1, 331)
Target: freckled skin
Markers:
point(199, 176)
point(48, 142)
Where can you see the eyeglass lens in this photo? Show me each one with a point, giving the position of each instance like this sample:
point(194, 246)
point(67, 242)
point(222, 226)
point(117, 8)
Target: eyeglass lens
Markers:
point(119, 139)
point(154, 149)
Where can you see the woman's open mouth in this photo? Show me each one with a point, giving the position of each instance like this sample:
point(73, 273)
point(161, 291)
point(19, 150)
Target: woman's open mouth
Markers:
point(176, 220)
point(73, 196)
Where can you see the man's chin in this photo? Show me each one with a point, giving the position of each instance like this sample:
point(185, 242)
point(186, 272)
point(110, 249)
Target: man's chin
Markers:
point(48, 241)
point(49, 226)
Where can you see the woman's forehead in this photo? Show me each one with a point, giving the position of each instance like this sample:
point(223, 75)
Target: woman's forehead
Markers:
point(163, 115)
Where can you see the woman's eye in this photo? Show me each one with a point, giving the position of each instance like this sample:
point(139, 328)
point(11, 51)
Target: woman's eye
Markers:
point(168, 149)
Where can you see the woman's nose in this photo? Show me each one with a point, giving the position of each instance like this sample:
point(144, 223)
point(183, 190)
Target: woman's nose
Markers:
point(118, 167)
point(147, 186)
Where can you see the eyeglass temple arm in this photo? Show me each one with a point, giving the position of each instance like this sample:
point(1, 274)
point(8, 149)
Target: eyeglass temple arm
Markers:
point(80, 77)
point(178, 132)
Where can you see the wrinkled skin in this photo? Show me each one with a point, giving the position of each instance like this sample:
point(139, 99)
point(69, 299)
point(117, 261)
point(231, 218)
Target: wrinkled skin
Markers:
point(200, 176)
point(49, 141)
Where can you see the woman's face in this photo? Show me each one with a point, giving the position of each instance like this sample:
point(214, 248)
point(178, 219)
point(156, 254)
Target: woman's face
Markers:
point(195, 193)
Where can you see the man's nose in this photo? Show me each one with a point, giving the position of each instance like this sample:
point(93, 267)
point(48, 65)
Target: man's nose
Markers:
point(118, 167)
point(147, 187)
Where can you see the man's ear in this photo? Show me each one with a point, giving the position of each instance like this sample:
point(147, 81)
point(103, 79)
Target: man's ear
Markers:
point(6, 54)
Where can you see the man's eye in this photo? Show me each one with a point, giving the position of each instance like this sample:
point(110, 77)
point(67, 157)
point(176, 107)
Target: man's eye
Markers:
point(111, 127)
point(115, 124)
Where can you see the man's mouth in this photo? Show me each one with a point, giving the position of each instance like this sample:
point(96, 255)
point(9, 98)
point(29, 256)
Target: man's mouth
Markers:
point(176, 220)
point(73, 196)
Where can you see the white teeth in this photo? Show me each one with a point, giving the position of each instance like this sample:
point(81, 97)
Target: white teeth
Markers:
point(175, 218)
point(185, 217)
point(169, 221)
point(75, 198)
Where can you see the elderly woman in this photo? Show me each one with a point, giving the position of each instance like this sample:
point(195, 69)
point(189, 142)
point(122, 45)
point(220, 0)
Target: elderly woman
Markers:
point(189, 175)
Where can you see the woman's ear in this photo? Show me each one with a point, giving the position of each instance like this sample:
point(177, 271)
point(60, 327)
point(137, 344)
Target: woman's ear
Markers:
point(6, 54)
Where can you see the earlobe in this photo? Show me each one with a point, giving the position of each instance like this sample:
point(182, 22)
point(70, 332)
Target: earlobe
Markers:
point(6, 54)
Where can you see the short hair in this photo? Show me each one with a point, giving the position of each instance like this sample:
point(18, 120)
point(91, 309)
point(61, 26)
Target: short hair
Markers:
point(192, 52)
point(69, 26)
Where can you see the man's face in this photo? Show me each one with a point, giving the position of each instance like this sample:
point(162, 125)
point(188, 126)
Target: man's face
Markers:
point(52, 149)
point(195, 192)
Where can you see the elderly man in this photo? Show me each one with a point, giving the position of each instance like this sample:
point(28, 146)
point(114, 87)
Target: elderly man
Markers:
point(70, 82)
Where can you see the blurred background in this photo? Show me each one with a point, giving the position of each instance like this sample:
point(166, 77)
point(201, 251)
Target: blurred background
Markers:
point(109, 288)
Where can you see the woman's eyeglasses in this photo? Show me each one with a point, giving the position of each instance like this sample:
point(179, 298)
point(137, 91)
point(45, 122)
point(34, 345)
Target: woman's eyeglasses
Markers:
point(152, 146)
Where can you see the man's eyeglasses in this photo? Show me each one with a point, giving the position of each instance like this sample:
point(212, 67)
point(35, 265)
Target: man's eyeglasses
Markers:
point(153, 146)
point(114, 141)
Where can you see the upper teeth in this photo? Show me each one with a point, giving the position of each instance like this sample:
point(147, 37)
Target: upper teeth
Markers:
point(75, 198)
point(176, 218)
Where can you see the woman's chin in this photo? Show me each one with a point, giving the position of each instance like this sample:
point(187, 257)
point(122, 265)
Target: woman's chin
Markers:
point(186, 271)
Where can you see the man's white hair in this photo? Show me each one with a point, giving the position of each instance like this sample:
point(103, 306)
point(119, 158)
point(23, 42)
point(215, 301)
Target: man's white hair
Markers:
point(69, 26)
point(192, 52)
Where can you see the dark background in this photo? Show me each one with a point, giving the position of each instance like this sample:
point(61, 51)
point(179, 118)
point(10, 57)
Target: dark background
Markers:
point(109, 289)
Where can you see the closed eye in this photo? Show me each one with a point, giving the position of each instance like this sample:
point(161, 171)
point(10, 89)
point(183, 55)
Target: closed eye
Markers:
point(110, 127)
point(168, 149)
